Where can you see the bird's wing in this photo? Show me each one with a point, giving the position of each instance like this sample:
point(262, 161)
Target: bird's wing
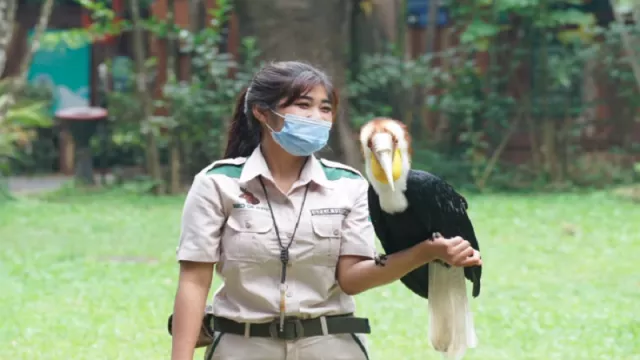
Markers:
point(416, 279)
point(447, 211)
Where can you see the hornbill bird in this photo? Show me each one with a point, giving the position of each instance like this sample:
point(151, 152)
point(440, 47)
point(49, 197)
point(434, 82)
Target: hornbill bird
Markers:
point(409, 206)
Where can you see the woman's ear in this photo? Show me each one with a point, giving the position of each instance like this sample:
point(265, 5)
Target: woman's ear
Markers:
point(259, 114)
point(268, 118)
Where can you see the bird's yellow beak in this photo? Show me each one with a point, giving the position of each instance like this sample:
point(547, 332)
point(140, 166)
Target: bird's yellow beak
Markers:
point(386, 165)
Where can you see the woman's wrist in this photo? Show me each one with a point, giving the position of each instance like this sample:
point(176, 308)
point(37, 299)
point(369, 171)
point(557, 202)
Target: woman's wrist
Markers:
point(430, 250)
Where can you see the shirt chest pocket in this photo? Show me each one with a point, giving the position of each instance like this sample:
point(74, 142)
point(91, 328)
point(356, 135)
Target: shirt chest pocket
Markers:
point(247, 237)
point(327, 235)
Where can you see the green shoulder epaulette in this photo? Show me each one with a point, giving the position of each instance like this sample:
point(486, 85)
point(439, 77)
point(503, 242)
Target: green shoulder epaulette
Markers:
point(335, 170)
point(228, 167)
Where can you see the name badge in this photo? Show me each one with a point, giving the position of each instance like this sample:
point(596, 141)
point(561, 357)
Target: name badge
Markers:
point(330, 211)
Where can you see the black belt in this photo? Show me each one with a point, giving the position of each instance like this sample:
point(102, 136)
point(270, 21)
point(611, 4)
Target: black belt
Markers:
point(295, 328)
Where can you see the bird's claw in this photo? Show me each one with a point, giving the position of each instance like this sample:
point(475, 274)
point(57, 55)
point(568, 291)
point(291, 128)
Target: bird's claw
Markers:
point(434, 236)
point(443, 263)
point(380, 259)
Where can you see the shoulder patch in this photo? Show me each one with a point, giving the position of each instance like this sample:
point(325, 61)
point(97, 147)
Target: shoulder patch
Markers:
point(335, 170)
point(228, 167)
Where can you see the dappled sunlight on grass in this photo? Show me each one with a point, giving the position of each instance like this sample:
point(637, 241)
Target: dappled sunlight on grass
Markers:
point(93, 277)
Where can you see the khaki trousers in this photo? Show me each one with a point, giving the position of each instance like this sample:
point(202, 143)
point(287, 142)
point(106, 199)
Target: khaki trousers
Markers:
point(329, 347)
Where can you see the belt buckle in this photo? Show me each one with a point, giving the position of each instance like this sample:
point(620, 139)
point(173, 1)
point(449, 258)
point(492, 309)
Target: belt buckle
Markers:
point(298, 329)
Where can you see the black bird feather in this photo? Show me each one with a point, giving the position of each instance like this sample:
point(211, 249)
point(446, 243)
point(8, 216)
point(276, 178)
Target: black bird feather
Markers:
point(434, 207)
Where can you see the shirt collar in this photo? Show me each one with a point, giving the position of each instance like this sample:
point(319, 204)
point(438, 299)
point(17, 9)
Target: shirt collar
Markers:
point(256, 165)
point(313, 171)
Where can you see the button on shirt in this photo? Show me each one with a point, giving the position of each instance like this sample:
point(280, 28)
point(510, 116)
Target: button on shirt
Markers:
point(226, 220)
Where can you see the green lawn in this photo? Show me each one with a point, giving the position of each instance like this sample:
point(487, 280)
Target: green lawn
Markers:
point(93, 277)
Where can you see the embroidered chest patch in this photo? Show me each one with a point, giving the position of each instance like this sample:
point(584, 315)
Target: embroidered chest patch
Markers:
point(250, 201)
point(249, 197)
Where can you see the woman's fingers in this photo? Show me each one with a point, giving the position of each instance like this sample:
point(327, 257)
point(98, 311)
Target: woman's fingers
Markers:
point(462, 255)
point(474, 260)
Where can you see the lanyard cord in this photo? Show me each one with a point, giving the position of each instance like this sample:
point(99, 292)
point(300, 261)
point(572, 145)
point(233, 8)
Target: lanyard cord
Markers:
point(284, 251)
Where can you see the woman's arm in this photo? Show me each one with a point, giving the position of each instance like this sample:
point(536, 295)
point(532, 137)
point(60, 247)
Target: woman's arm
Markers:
point(198, 251)
point(356, 274)
point(357, 271)
point(193, 286)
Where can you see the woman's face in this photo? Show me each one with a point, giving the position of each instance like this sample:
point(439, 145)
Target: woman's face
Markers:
point(315, 104)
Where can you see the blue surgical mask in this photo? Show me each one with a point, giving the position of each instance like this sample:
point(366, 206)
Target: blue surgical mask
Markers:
point(301, 136)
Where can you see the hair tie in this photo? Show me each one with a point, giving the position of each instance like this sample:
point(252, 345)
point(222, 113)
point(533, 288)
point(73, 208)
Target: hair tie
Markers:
point(246, 101)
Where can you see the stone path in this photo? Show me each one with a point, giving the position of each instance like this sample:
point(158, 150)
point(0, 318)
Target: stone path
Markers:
point(37, 184)
point(44, 183)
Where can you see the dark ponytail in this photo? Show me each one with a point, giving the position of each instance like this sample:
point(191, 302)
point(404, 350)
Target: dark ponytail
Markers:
point(244, 133)
point(276, 81)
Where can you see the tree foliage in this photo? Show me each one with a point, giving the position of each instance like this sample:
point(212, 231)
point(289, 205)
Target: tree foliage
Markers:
point(520, 65)
point(519, 68)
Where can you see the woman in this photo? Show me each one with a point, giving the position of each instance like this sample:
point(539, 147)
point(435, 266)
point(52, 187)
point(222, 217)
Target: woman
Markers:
point(284, 299)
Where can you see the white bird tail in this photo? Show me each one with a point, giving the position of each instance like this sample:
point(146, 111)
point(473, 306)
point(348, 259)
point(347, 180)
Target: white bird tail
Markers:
point(451, 328)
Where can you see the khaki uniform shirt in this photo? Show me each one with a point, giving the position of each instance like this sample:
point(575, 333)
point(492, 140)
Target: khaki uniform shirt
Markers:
point(226, 220)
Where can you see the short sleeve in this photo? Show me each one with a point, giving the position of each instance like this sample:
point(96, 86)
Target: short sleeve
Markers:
point(202, 221)
point(358, 235)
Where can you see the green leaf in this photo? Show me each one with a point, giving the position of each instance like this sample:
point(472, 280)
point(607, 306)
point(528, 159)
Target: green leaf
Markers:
point(478, 30)
point(29, 115)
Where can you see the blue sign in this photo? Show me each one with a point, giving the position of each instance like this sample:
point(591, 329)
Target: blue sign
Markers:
point(65, 70)
point(418, 13)
point(122, 72)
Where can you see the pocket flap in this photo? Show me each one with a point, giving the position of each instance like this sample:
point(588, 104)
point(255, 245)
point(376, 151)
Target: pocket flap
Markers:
point(250, 222)
point(328, 227)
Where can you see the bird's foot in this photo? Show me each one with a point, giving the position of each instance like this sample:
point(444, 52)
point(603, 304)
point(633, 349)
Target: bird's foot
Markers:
point(434, 236)
point(380, 260)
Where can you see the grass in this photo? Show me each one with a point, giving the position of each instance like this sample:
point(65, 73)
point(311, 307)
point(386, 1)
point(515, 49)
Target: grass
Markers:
point(93, 277)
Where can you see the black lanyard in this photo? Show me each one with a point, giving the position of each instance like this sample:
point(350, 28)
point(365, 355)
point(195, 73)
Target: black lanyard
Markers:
point(284, 251)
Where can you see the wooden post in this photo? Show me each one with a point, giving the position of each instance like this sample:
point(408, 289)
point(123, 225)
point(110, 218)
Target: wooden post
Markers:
point(67, 150)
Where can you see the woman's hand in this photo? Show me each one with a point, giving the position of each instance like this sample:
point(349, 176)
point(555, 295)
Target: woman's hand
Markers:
point(455, 251)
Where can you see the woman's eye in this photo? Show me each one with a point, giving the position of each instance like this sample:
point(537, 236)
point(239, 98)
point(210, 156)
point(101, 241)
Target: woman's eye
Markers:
point(326, 109)
point(303, 105)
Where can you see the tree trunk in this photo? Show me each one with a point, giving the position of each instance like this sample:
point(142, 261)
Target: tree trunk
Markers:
point(549, 148)
point(8, 10)
point(428, 119)
point(195, 7)
point(174, 148)
point(627, 41)
point(16, 84)
point(313, 31)
point(152, 156)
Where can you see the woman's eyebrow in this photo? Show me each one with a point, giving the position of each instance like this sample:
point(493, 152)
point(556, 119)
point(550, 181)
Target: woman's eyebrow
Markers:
point(307, 97)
